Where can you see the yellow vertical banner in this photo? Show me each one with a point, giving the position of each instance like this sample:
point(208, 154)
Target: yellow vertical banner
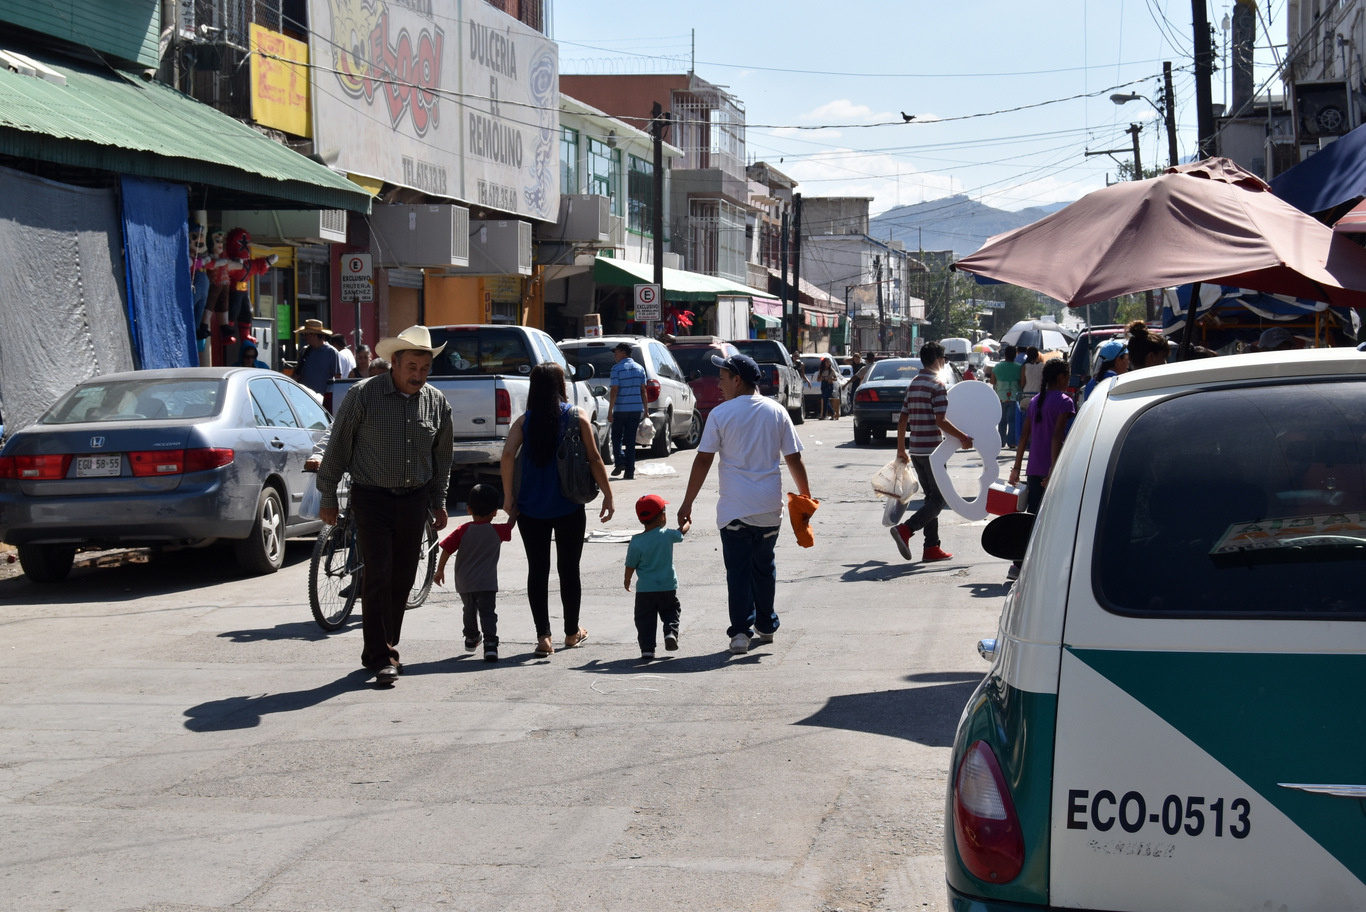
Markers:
point(279, 82)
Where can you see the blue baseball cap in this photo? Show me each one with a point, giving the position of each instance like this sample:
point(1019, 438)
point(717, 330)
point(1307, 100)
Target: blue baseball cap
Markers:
point(1111, 350)
point(742, 366)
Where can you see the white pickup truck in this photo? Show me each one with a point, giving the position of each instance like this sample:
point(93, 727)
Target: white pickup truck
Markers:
point(483, 372)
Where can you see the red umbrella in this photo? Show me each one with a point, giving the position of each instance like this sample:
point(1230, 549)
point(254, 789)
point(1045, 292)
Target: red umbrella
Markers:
point(1210, 221)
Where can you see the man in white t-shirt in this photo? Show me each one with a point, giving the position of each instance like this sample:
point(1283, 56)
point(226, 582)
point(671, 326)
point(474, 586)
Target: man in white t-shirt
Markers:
point(344, 354)
point(753, 435)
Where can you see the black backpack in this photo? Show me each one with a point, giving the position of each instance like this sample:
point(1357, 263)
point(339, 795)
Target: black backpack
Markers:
point(571, 459)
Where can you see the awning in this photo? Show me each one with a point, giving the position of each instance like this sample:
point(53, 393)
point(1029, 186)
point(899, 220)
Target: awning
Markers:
point(679, 284)
point(112, 120)
point(766, 320)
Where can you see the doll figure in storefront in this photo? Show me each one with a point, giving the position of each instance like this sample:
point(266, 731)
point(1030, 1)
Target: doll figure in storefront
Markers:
point(233, 311)
point(217, 268)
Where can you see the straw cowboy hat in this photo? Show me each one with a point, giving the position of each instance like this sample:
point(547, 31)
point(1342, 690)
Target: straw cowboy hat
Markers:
point(414, 338)
point(313, 326)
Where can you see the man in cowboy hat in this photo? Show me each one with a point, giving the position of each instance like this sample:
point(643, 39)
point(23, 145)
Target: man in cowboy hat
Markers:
point(319, 363)
point(393, 434)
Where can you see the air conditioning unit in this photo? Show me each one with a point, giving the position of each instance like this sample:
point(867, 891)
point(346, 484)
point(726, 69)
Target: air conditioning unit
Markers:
point(584, 218)
point(289, 226)
point(420, 235)
point(617, 233)
point(498, 247)
point(1321, 109)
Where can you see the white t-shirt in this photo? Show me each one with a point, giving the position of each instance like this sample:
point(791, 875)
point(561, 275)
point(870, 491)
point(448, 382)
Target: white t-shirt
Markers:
point(348, 361)
point(750, 436)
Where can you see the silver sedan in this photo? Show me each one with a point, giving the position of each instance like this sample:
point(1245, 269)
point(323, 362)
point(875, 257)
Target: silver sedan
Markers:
point(162, 458)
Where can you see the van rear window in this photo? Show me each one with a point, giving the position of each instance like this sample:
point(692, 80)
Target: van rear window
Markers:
point(1241, 502)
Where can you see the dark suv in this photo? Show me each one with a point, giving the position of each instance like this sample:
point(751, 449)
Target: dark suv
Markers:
point(779, 376)
point(694, 354)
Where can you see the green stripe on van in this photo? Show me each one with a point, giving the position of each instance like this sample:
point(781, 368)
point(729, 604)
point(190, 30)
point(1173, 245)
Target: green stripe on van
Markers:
point(1268, 718)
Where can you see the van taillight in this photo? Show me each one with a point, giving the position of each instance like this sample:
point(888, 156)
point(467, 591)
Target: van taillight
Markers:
point(986, 829)
point(48, 467)
point(652, 390)
point(502, 407)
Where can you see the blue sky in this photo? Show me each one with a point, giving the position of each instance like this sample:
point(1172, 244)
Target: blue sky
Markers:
point(824, 85)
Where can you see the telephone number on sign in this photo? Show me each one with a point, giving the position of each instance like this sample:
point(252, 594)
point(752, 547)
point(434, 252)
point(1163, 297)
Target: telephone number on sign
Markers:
point(1103, 810)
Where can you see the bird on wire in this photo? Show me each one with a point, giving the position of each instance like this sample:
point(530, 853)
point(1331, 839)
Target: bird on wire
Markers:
point(907, 117)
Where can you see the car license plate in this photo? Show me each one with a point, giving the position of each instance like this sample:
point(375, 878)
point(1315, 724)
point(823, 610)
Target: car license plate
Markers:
point(99, 466)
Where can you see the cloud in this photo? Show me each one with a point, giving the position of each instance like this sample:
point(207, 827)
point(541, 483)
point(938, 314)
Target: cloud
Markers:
point(845, 111)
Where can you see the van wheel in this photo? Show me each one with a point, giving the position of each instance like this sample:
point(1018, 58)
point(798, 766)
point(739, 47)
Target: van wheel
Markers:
point(694, 435)
point(663, 443)
point(263, 551)
point(47, 563)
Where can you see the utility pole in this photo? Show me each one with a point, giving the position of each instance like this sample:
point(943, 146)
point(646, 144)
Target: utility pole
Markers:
point(881, 315)
point(795, 344)
point(1204, 70)
point(658, 119)
point(782, 266)
point(1170, 105)
point(1134, 130)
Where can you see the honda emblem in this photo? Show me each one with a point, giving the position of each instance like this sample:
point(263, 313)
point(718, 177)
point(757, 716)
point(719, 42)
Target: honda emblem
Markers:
point(96, 442)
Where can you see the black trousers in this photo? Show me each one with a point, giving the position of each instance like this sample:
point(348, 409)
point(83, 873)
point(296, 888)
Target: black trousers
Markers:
point(389, 527)
point(651, 609)
point(568, 531)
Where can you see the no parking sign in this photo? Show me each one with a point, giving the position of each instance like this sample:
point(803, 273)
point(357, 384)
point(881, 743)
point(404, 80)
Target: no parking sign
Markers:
point(356, 281)
point(649, 303)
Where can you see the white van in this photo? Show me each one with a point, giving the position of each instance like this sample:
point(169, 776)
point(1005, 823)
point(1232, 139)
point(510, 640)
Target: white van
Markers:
point(956, 351)
point(1173, 719)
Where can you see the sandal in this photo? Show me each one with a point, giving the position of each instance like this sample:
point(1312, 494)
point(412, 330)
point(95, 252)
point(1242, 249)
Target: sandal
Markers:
point(544, 647)
point(575, 639)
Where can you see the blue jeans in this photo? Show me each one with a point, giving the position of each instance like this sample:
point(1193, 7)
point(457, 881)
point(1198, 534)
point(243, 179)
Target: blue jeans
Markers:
point(1007, 426)
point(751, 577)
point(624, 425)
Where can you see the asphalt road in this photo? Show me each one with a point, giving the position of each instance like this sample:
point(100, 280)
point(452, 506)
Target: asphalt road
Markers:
point(178, 738)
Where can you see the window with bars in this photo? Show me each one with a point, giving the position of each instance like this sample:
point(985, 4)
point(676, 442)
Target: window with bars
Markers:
point(640, 195)
point(604, 172)
point(569, 161)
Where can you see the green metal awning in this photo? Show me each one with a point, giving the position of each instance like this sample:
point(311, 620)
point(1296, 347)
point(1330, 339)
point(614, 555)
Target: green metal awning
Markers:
point(679, 284)
point(113, 120)
point(766, 320)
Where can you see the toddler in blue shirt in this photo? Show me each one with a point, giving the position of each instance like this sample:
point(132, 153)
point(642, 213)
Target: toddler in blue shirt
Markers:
point(652, 554)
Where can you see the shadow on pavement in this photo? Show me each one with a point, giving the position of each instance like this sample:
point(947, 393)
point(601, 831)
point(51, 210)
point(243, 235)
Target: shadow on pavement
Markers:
point(131, 575)
point(876, 571)
point(925, 715)
point(294, 630)
point(236, 713)
point(672, 663)
point(989, 590)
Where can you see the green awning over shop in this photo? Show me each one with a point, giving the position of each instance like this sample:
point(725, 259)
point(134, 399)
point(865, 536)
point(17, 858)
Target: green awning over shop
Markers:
point(113, 120)
point(679, 284)
point(766, 320)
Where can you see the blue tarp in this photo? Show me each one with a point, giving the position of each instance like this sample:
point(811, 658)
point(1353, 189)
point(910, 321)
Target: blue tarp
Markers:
point(157, 255)
point(1334, 175)
point(1242, 314)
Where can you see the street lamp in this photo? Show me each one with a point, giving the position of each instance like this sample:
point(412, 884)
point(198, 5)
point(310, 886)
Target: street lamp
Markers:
point(1121, 98)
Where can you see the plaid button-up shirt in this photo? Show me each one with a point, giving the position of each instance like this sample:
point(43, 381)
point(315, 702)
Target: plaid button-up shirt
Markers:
point(389, 440)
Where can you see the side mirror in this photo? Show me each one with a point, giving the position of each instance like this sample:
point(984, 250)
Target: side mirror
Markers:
point(694, 375)
point(1007, 536)
point(584, 371)
point(600, 390)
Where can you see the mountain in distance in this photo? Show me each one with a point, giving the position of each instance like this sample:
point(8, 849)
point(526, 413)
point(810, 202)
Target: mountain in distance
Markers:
point(954, 223)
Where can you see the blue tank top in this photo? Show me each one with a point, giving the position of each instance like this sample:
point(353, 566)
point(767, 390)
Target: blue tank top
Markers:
point(539, 495)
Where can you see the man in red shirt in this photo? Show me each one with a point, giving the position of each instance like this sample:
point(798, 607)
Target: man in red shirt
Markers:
point(919, 431)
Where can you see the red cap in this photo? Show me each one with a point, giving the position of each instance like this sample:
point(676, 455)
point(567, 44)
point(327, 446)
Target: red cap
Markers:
point(649, 506)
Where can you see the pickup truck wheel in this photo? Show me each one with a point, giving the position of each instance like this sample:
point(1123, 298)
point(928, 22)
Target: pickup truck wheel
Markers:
point(263, 551)
point(798, 415)
point(47, 563)
point(663, 443)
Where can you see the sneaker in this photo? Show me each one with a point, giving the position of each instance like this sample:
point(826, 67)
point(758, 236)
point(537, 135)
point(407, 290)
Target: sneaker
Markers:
point(739, 644)
point(490, 653)
point(1014, 572)
point(764, 637)
point(616, 472)
point(671, 642)
point(470, 643)
point(902, 536)
point(387, 675)
point(935, 553)
point(647, 654)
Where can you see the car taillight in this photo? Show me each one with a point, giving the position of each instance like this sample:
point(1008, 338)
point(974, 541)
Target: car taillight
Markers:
point(502, 407)
point(35, 468)
point(652, 390)
point(152, 463)
point(986, 829)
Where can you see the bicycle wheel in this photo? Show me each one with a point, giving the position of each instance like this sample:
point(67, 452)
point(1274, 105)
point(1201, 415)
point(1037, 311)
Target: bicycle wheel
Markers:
point(334, 575)
point(426, 568)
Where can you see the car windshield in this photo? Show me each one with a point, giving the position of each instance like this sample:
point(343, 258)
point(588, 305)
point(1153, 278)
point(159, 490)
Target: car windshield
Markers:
point(600, 356)
point(894, 369)
point(475, 350)
point(697, 360)
point(1246, 502)
point(136, 399)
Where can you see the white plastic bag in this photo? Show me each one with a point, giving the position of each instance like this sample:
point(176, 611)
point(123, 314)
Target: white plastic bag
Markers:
point(312, 501)
point(892, 513)
point(645, 432)
point(895, 480)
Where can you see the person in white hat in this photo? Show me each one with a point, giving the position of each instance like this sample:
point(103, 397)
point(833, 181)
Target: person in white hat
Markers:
point(393, 433)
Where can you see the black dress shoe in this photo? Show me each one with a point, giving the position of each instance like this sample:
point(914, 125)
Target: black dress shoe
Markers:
point(386, 675)
point(617, 471)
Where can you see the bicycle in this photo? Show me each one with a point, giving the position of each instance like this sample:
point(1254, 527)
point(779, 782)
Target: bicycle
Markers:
point(334, 572)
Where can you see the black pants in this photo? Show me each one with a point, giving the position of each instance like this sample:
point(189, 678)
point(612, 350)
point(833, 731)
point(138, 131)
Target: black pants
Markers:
point(389, 527)
point(568, 531)
point(651, 609)
point(481, 611)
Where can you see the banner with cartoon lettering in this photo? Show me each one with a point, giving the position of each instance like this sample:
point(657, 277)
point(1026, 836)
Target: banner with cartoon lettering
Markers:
point(460, 103)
